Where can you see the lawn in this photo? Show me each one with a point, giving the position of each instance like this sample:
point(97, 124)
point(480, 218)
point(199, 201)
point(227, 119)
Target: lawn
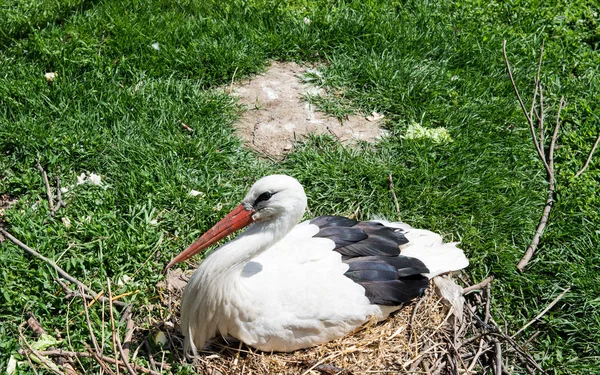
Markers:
point(129, 71)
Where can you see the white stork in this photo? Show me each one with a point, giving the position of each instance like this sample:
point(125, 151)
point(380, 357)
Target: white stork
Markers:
point(282, 286)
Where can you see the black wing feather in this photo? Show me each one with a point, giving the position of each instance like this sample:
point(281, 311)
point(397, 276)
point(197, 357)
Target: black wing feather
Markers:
point(372, 253)
point(333, 221)
point(343, 236)
point(395, 292)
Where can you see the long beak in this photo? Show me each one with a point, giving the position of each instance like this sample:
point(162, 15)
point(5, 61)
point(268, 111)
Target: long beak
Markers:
point(236, 219)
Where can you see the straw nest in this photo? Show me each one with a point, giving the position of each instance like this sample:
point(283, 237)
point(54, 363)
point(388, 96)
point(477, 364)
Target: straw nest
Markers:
point(426, 337)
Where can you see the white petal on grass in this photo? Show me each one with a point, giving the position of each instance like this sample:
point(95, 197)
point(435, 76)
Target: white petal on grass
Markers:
point(156, 46)
point(375, 116)
point(307, 21)
point(437, 135)
point(154, 222)
point(95, 179)
point(123, 280)
point(81, 179)
point(12, 365)
point(195, 193)
point(66, 221)
point(50, 76)
point(64, 190)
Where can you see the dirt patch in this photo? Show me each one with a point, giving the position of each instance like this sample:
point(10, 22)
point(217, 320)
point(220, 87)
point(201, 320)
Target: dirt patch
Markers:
point(277, 115)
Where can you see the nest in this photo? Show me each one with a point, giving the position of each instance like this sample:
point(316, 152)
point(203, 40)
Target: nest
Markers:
point(425, 337)
point(433, 335)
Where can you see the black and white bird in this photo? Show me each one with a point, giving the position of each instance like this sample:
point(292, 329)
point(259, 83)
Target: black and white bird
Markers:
point(283, 286)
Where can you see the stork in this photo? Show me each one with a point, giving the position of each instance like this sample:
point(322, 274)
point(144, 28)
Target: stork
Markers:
point(283, 286)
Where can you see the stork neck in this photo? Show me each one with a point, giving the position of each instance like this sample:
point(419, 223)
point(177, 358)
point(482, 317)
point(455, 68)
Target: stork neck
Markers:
point(258, 237)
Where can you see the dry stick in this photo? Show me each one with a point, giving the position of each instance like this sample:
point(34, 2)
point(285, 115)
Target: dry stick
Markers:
point(48, 190)
point(99, 359)
point(554, 302)
point(150, 357)
point(232, 79)
point(67, 324)
point(498, 368)
point(547, 160)
point(130, 327)
point(59, 270)
point(112, 324)
point(37, 328)
point(59, 201)
point(529, 119)
point(589, 159)
point(478, 286)
point(43, 360)
point(89, 324)
point(538, 87)
point(549, 199)
point(412, 320)
point(523, 353)
point(391, 186)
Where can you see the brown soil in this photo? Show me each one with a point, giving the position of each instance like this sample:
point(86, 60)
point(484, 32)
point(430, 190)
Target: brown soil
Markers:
point(277, 116)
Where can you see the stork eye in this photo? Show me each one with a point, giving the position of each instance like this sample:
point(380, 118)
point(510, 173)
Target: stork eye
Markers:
point(263, 197)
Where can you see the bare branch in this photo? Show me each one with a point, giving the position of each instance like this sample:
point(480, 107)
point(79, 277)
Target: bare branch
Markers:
point(48, 190)
point(112, 324)
point(550, 305)
point(538, 147)
point(589, 159)
point(478, 286)
point(89, 324)
point(59, 270)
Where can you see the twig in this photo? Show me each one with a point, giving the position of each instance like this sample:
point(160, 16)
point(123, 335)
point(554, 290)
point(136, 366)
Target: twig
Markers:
point(529, 119)
point(59, 202)
point(391, 186)
point(48, 190)
point(488, 300)
point(130, 327)
point(550, 305)
point(412, 320)
point(538, 141)
point(89, 324)
point(59, 270)
point(115, 334)
point(589, 159)
point(38, 330)
point(45, 361)
point(498, 368)
point(478, 286)
point(99, 359)
point(35, 325)
point(150, 358)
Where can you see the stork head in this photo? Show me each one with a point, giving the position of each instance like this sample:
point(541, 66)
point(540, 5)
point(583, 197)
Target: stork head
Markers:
point(275, 198)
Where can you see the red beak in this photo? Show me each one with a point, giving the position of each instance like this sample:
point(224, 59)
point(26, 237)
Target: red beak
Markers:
point(236, 219)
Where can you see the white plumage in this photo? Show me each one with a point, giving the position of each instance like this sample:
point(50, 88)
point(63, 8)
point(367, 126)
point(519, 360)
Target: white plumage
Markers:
point(280, 287)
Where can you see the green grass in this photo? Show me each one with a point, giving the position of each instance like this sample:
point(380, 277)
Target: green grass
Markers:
point(115, 106)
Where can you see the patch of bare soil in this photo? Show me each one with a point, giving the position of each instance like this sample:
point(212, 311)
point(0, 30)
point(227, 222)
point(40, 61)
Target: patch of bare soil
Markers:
point(277, 116)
